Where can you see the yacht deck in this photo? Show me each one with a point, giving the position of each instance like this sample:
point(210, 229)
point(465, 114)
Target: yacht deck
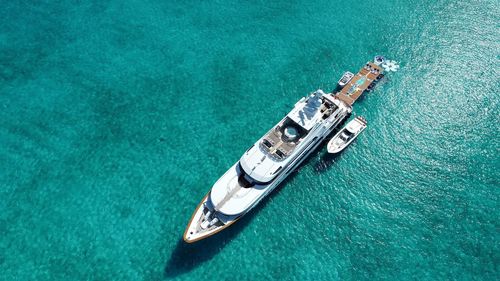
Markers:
point(277, 145)
point(359, 83)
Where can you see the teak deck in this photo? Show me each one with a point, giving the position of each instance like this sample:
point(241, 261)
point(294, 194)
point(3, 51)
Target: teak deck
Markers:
point(353, 90)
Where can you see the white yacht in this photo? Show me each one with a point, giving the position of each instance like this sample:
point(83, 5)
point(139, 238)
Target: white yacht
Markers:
point(346, 135)
point(267, 163)
point(274, 156)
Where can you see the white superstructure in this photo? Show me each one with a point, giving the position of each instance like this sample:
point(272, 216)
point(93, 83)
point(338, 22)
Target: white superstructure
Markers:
point(267, 163)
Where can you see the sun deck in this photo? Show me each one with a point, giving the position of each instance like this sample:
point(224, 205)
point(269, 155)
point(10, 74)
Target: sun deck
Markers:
point(280, 141)
point(369, 74)
point(278, 145)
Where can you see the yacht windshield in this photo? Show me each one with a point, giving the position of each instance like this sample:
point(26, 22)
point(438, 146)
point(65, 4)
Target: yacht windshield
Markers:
point(345, 135)
point(243, 182)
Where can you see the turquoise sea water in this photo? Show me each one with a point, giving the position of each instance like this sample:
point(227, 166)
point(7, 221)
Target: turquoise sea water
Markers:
point(118, 116)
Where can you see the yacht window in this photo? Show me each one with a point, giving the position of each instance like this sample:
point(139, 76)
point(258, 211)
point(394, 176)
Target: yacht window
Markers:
point(250, 148)
point(277, 170)
point(243, 182)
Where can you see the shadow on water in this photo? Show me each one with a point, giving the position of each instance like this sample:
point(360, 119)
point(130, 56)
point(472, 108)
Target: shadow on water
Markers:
point(187, 257)
point(326, 161)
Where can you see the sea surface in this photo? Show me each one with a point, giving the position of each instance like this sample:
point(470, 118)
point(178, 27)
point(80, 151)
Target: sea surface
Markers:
point(118, 116)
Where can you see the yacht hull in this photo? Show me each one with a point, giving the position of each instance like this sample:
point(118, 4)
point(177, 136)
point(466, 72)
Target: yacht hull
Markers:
point(190, 234)
point(192, 225)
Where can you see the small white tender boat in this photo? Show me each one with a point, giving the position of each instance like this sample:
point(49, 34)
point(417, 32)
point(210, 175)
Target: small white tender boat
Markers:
point(346, 135)
point(345, 79)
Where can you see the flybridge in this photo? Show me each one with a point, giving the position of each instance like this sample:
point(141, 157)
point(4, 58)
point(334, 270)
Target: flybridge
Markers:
point(308, 114)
